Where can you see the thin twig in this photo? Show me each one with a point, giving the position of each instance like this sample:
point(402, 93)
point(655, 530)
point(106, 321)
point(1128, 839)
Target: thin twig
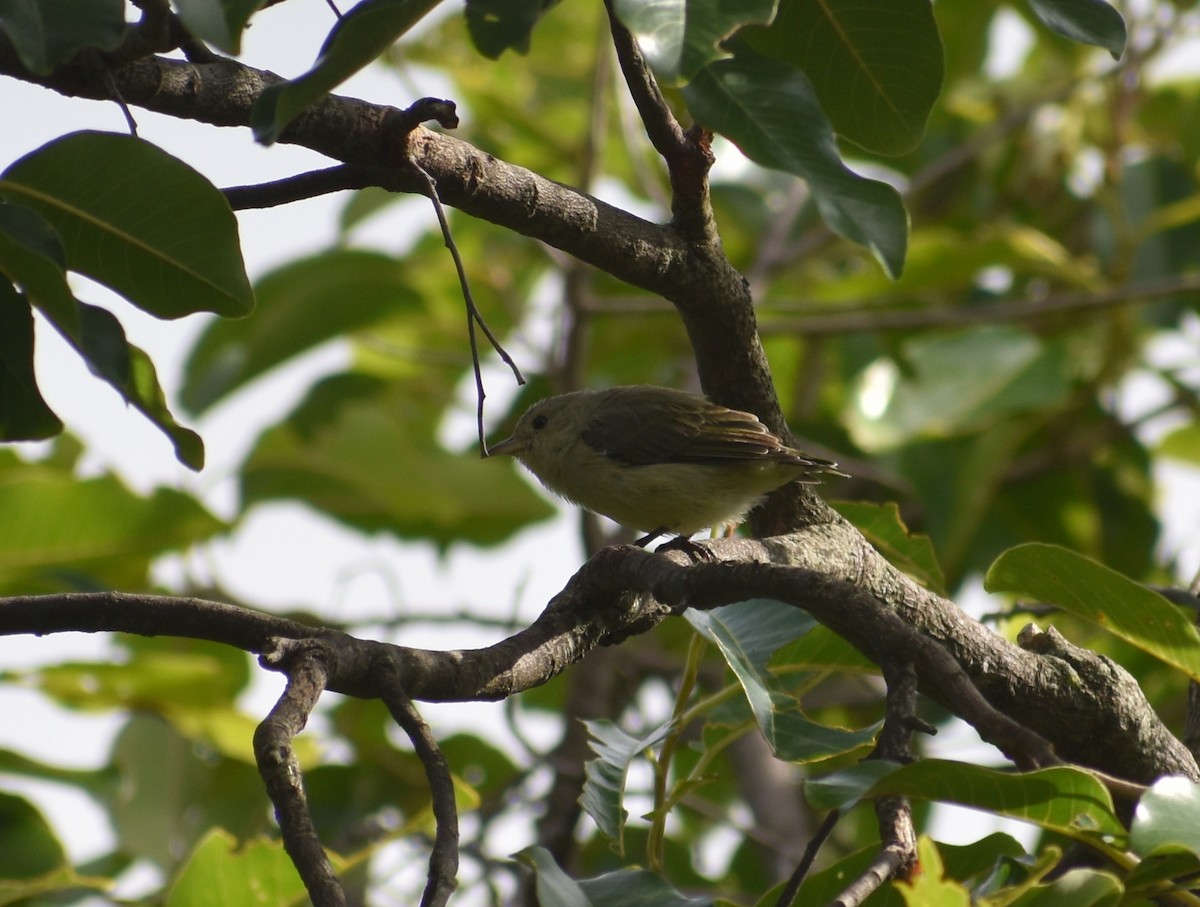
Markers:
point(473, 315)
point(792, 888)
point(443, 858)
point(870, 318)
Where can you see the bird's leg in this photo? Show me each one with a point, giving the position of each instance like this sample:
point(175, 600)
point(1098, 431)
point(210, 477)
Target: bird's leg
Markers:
point(651, 536)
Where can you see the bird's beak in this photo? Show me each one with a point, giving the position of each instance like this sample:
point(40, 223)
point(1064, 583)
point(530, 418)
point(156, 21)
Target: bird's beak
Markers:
point(508, 447)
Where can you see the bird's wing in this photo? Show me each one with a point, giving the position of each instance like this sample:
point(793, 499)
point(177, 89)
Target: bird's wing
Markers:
point(668, 427)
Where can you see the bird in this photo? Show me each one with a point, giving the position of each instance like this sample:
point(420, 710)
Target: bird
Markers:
point(655, 459)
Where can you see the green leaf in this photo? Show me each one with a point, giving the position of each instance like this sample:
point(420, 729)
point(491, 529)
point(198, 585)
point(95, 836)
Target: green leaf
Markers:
point(875, 65)
point(24, 414)
point(300, 306)
point(623, 888)
point(218, 22)
point(224, 872)
point(128, 369)
point(363, 451)
point(1075, 888)
point(137, 220)
point(554, 887)
point(931, 887)
point(173, 789)
point(747, 633)
point(1011, 372)
point(360, 36)
point(1128, 610)
point(54, 521)
point(1061, 799)
point(28, 847)
point(678, 37)
point(604, 776)
point(884, 528)
point(499, 25)
point(636, 888)
point(770, 112)
point(1086, 21)
point(1168, 865)
point(48, 32)
point(1182, 444)
point(32, 257)
point(1165, 818)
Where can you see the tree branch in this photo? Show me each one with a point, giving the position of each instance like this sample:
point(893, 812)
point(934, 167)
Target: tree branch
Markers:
point(688, 155)
point(280, 770)
point(1017, 697)
point(443, 859)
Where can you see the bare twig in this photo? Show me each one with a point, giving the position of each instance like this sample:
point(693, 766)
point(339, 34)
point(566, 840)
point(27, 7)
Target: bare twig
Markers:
point(473, 315)
point(792, 888)
point(443, 859)
point(307, 673)
point(875, 318)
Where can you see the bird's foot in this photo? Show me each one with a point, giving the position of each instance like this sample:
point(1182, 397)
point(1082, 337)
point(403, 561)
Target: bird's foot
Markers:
point(693, 550)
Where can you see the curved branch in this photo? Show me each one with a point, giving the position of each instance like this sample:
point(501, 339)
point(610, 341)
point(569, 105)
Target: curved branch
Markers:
point(280, 770)
point(1017, 697)
point(443, 858)
point(688, 155)
point(712, 298)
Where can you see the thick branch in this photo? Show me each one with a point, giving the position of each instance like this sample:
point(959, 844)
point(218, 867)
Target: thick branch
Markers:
point(1093, 713)
point(712, 298)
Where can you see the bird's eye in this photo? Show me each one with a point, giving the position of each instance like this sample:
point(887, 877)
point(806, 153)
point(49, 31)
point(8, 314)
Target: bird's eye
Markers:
point(538, 423)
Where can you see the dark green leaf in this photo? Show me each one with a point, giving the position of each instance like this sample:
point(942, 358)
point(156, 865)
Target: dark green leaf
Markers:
point(128, 369)
point(875, 65)
point(747, 633)
point(32, 256)
point(770, 112)
point(1140, 616)
point(24, 414)
point(358, 38)
point(28, 847)
point(299, 306)
point(679, 38)
point(48, 32)
point(28, 256)
point(636, 888)
point(137, 220)
point(604, 777)
point(1086, 21)
point(218, 22)
point(500, 25)
point(554, 887)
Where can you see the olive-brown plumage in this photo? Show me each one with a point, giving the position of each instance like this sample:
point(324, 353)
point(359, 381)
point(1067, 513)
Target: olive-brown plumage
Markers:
point(656, 459)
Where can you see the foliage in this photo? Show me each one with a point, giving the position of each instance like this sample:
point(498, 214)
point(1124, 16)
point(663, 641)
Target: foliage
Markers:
point(960, 270)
